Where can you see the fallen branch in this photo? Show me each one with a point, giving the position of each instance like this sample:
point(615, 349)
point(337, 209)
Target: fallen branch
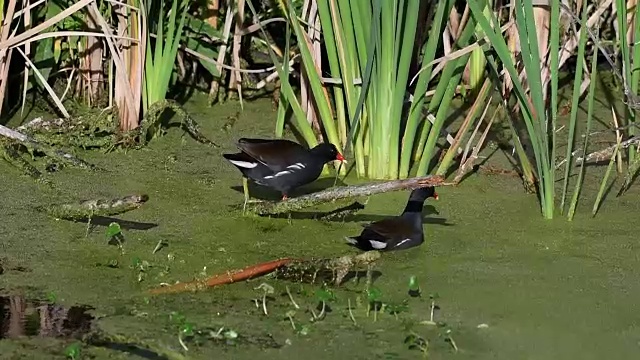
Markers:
point(344, 192)
point(606, 153)
point(223, 279)
point(333, 269)
point(97, 207)
point(49, 151)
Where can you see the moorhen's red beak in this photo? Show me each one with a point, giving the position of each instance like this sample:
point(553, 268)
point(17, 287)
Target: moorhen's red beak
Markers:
point(435, 196)
point(339, 157)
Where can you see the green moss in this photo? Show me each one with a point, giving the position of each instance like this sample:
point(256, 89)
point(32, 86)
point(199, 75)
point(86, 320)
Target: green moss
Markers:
point(546, 289)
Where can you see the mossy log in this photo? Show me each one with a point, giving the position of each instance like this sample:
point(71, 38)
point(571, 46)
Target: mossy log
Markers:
point(344, 192)
point(97, 207)
point(9, 153)
point(334, 269)
point(56, 154)
point(151, 123)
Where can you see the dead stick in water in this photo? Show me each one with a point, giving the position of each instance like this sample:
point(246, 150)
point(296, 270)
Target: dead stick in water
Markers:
point(97, 207)
point(344, 192)
point(223, 279)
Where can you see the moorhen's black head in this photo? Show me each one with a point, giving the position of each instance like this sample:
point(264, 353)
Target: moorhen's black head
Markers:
point(327, 152)
point(423, 194)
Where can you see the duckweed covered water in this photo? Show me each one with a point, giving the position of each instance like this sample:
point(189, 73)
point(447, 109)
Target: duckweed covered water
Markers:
point(507, 284)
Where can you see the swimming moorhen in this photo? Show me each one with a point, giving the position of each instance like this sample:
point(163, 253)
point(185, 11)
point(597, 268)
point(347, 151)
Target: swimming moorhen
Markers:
point(280, 164)
point(398, 232)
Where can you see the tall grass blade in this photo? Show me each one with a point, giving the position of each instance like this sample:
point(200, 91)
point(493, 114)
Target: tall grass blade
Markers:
point(591, 97)
point(575, 101)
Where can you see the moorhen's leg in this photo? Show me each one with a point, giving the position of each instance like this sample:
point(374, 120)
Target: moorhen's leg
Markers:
point(245, 188)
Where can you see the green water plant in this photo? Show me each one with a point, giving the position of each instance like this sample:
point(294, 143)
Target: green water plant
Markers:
point(374, 295)
point(160, 59)
point(414, 287)
point(371, 50)
point(114, 235)
point(396, 308)
point(538, 115)
point(324, 296)
point(73, 351)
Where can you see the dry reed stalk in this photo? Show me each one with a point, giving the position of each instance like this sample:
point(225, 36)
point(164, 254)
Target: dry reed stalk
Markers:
point(466, 164)
point(27, 51)
point(222, 52)
point(5, 54)
point(311, 17)
point(92, 59)
point(542, 18)
point(236, 77)
point(128, 65)
point(213, 11)
point(468, 119)
point(304, 79)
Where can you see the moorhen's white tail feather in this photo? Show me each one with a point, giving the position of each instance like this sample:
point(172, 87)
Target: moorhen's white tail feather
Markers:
point(351, 240)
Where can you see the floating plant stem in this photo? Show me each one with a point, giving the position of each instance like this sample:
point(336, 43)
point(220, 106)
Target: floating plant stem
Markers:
point(266, 289)
point(353, 318)
point(291, 297)
point(161, 243)
point(449, 338)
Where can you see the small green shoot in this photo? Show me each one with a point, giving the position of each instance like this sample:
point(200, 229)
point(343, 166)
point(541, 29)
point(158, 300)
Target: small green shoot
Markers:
point(142, 266)
point(324, 296)
point(433, 307)
point(115, 236)
point(414, 287)
point(186, 330)
point(51, 297)
point(415, 341)
point(304, 330)
point(266, 289)
point(72, 351)
point(395, 309)
point(373, 296)
point(290, 314)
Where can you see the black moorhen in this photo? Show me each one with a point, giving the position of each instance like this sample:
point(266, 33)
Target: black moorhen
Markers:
point(280, 164)
point(398, 232)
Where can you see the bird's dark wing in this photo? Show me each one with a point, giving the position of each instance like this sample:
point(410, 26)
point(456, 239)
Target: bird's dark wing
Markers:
point(276, 154)
point(392, 228)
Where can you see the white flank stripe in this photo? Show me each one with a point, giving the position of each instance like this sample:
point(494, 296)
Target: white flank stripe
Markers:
point(402, 242)
point(280, 173)
point(296, 166)
point(377, 244)
point(244, 164)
